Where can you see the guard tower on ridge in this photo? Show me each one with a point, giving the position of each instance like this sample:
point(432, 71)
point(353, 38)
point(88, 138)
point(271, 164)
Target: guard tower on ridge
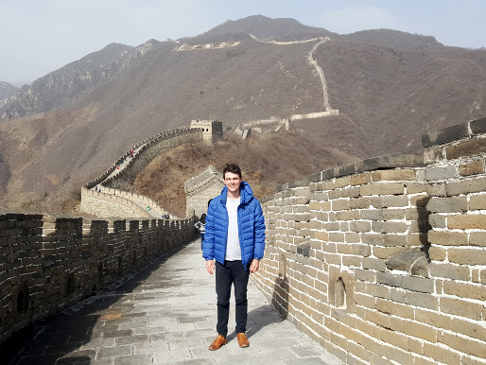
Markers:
point(212, 129)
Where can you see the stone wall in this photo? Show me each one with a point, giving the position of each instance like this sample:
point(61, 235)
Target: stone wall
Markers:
point(383, 261)
point(201, 188)
point(112, 200)
point(49, 263)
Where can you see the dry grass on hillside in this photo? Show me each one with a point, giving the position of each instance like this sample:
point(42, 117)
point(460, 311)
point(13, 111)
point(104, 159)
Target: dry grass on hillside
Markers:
point(266, 161)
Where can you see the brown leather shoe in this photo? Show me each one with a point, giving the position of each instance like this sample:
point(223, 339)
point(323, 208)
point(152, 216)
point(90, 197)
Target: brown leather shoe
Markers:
point(217, 343)
point(242, 340)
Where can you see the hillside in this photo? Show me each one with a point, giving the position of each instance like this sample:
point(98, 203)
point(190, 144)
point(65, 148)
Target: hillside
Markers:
point(390, 87)
point(6, 91)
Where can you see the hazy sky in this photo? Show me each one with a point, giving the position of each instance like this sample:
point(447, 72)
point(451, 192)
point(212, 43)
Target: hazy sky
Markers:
point(40, 36)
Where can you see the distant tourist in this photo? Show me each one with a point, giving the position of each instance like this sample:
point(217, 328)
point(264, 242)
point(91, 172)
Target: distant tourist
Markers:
point(200, 226)
point(235, 238)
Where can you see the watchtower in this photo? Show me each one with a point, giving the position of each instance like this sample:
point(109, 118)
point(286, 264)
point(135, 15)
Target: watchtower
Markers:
point(212, 129)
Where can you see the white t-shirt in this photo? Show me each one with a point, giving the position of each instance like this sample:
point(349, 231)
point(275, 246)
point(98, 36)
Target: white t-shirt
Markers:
point(233, 250)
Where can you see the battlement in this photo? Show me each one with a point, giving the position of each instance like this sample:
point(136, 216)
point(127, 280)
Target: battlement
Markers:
point(54, 262)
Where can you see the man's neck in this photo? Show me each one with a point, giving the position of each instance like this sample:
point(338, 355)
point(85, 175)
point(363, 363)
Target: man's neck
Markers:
point(235, 195)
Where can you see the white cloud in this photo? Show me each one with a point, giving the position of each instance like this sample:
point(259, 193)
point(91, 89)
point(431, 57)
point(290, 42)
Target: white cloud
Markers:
point(349, 20)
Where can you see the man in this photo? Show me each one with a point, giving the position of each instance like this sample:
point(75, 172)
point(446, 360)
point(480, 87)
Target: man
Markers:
point(235, 238)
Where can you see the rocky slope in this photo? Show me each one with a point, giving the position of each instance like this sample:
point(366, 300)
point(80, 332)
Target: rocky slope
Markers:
point(6, 91)
point(389, 87)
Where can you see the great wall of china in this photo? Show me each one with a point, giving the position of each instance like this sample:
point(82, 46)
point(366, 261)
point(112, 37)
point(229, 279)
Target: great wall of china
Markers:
point(244, 130)
point(101, 200)
point(382, 261)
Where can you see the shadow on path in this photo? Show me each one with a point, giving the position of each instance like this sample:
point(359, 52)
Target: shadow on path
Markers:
point(55, 339)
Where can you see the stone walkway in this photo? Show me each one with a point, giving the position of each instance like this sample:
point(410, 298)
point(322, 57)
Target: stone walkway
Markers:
point(166, 314)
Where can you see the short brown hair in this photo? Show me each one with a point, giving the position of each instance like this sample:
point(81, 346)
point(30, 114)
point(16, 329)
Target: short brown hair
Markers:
point(233, 168)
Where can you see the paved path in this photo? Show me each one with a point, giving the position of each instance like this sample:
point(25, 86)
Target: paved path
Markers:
point(166, 314)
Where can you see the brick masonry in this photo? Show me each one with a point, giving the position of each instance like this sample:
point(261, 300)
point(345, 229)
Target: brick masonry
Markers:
point(384, 260)
point(49, 263)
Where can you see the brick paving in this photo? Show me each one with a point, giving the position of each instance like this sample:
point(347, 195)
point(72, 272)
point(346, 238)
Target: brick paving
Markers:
point(165, 314)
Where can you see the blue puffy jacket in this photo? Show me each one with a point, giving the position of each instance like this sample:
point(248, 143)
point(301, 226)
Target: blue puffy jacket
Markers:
point(251, 227)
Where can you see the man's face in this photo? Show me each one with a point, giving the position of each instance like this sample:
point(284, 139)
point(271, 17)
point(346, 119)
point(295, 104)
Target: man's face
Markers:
point(232, 182)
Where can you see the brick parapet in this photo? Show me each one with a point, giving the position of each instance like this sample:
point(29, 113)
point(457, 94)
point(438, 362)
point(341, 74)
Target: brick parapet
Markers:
point(383, 260)
point(49, 263)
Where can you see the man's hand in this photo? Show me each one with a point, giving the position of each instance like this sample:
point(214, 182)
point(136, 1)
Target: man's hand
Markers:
point(210, 266)
point(255, 264)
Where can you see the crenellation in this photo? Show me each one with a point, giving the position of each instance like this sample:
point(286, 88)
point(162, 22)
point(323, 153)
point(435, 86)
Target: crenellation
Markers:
point(53, 262)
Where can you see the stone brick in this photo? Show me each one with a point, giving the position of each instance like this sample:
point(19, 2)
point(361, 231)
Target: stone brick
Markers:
point(378, 291)
point(477, 202)
point(382, 189)
point(466, 187)
point(423, 300)
point(371, 214)
point(393, 214)
point(393, 240)
point(419, 330)
point(321, 235)
point(360, 226)
point(471, 168)
point(436, 189)
point(360, 203)
point(372, 239)
point(360, 179)
point(461, 308)
point(342, 181)
point(386, 252)
point(466, 149)
point(462, 344)
point(440, 354)
point(340, 205)
point(437, 221)
point(351, 192)
point(448, 205)
point(389, 227)
point(449, 271)
point(468, 328)
point(416, 188)
point(465, 290)
point(360, 250)
point(352, 237)
point(414, 283)
point(466, 222)
point(378, 318)
point(436, 173)
point(467, 257)
point(336, 237)
point(364, 275)
point(477, 239)
point(344, 215)
point(389, 201)
point(448, 238)
point(394, 175)
point(433, 318)
point(326, 185)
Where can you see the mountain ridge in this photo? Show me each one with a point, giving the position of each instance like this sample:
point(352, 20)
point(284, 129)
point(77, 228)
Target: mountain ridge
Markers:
point(387, 94)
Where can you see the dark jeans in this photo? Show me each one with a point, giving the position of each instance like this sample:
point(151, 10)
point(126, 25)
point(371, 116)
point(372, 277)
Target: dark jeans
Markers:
point(232, 272)
point(202, 240)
